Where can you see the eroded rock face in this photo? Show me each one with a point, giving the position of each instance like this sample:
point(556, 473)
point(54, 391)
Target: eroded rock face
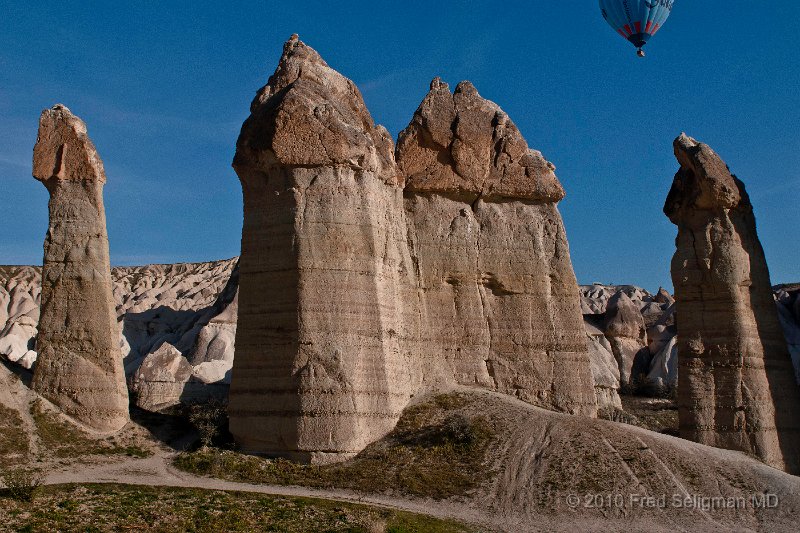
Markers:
point(20, 290)
point(321, 368)
point(499, 304)
point(615, 317)
point(626, 332)
point(191, 306)
point(79, 366)
point(605, 369)
point(736, 383)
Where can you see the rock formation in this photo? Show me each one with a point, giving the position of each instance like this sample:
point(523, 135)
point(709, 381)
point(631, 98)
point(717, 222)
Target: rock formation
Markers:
point(498, 297)
point(20, 290)
point(736, 384)
point(625, 330)
point(190, 306)
point(79, 365)
point(364, 282)
point(614, 317)
point(201, 368)
point(321, 369)
point(604, 366)
point(161, 379)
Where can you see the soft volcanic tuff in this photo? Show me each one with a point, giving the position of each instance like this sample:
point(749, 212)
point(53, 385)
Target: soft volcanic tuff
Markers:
point(736, 384)
point(190, 307)
point(499, 303)
point(79, 366)
point(320, 370)
point(626, 332)
point(357, 294)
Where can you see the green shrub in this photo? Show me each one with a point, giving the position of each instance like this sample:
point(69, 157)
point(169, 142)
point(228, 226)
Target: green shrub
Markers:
point(210, 419)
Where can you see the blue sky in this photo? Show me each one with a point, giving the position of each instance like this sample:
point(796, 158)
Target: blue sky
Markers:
point(165, 86)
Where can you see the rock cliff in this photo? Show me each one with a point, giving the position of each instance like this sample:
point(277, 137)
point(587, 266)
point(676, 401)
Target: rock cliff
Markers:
point(79, 366)
point(736, 386)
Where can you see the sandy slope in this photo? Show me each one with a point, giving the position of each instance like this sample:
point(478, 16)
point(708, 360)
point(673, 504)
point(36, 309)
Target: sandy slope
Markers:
point(545, 459)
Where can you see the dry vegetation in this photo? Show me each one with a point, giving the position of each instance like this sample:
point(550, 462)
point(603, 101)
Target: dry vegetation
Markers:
point(656, 414)
point(13, 440)
point(437, 450)
point(64, 441)
point(99, 508)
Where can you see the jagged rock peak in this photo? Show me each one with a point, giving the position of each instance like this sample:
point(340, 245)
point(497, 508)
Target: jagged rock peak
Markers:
point(309, 115)
point(663, 297)
point(63, 149)
point(465, 145)
point(703, 181)
point(623, 318)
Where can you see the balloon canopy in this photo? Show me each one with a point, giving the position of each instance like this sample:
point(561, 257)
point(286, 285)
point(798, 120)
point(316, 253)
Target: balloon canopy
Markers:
point(636, 20)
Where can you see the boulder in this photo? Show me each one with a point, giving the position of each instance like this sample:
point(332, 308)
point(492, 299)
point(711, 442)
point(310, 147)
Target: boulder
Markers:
point(161, 378)
point(17, 342)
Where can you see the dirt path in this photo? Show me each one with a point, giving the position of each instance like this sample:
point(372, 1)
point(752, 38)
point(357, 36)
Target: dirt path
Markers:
point(158, 471)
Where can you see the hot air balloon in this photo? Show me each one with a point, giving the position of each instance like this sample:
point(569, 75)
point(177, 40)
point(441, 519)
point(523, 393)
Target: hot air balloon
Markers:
point(636, 20)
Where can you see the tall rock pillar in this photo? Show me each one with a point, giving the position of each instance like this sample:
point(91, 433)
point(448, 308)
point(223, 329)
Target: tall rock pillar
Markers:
point(500, 304)
point(322, 366)
point(79, 367)
point(736, 385)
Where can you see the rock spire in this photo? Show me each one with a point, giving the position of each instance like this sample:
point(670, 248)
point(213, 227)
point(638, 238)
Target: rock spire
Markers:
point(736, 383)
point(79, 366)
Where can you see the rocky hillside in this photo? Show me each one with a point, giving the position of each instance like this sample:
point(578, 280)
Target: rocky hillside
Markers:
point(177, 325)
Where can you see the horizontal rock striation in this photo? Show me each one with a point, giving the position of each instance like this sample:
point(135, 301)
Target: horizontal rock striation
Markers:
point(321, 368)
point(499, 302)
point(79, 365)
point(736, 385)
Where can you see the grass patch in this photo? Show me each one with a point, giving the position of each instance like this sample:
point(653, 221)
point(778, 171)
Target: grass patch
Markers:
point(64, 440)
point(438, 450)
point(132, 508)
point(13, 440)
